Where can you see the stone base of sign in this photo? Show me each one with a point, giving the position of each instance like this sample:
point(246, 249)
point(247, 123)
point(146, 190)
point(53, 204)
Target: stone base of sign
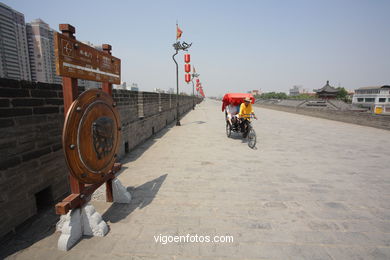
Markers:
point(120, 193)
point(79, 222)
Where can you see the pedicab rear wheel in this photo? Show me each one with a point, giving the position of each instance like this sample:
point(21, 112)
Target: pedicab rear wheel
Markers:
point(251, 138)
point(228, 129)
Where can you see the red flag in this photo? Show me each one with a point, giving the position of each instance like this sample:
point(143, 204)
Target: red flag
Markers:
point(178, 32)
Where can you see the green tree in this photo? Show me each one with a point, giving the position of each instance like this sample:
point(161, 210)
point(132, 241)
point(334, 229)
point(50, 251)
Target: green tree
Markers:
point(302, 96)
point(342, 94)
point(273, 95)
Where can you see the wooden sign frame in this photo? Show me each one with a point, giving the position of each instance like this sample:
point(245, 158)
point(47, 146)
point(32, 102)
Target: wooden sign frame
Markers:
point(75, 59)
point(80, 192)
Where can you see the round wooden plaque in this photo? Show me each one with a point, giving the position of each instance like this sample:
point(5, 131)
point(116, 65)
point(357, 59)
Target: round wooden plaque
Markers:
point(91, 136)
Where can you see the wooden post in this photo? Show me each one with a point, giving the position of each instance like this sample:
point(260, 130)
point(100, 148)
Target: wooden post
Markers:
point(70, 92)
point(107, 87)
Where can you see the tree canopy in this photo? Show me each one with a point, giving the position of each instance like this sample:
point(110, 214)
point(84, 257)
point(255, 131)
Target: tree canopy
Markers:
point(272, 95)
point(342, 94)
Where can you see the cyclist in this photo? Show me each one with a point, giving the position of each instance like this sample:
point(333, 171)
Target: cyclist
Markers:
point(246, 111)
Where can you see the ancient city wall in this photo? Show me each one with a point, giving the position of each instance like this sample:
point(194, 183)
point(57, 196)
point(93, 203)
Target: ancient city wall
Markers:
point(353, 117)
point(33, 173)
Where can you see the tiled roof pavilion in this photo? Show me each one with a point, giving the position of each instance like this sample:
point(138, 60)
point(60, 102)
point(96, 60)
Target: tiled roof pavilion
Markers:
point(327, 91)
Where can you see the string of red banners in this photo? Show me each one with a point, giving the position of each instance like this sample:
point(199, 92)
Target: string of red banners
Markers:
point(187, 77)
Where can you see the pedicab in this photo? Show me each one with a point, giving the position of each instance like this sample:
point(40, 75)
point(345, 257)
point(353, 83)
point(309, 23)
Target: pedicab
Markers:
point(239, 125)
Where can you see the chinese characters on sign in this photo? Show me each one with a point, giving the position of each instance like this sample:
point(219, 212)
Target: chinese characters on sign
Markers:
point(77, 60)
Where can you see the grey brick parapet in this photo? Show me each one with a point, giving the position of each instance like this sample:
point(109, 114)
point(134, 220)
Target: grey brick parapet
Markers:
point(353, 117)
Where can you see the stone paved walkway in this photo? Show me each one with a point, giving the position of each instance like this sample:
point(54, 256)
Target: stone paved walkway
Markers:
point(313, 189)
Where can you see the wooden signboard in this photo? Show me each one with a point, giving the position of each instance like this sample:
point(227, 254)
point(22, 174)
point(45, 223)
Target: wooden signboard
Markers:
point(92, 126)
point(77, 60)
point(91, 136)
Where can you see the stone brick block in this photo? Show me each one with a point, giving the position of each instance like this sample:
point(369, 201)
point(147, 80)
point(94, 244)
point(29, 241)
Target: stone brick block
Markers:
point(17, 150)
point(35, 154)
point(30, 120)
point(7, 143)
point(6, 123)
point(27, 84)
point(4, 103)
point(56, 147)
point(46, 110)
point(27, 102)
point(48, 86)
point(54, 101)
point(9, 83)
point(11, 112)
point(9, 162)
point(14, 92)
point(43, 93)
point(55, 118)
point(27, 137)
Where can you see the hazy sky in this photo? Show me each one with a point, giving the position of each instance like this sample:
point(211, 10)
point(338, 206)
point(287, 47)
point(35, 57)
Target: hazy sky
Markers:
point(237, 45)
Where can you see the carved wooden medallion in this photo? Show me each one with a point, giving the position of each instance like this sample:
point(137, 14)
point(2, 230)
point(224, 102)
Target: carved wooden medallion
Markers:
point(91, 136)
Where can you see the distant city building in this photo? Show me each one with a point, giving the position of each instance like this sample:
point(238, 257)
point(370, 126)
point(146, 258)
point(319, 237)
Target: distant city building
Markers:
point(88, 84)
point(158, 90)
point(371, 97)
point(297, 90)
point(327, 91)
point(134, 87)
point(97, 47)
point(171, 91)
point(14, 58)
point(41, 50)
point(124, 85)
point(256, 92)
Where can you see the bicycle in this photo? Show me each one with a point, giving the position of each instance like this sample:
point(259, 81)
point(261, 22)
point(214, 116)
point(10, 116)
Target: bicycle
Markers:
point(250, 133)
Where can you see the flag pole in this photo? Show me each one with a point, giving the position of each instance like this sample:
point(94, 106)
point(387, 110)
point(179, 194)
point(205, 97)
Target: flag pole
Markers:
point(178, 46)
point(177, 79)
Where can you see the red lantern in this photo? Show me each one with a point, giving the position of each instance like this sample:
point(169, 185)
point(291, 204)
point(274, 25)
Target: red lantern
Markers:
point(187, 68)
point(188, 77)
point(197, 80)
point(187, 58)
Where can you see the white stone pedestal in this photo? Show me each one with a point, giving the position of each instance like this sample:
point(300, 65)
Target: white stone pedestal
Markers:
point(79, 222)
point(119, 192)
point(86, 221)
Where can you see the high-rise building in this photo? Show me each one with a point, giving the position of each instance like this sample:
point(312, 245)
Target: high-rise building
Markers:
point(41, 50)
point(14, 58)
point(297, 90)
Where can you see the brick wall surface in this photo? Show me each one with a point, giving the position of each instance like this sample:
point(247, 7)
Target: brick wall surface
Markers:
point(31, 158)
point(353, 117)
point(150, 103)
point(165, 102)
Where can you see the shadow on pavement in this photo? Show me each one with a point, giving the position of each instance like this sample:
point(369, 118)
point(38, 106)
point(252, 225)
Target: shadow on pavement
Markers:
point(195, 122)
point(238, 136)
point(31, 231)
point(142, 196)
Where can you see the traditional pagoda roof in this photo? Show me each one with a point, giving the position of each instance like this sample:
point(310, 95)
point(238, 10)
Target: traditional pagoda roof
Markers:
point(326, 89)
